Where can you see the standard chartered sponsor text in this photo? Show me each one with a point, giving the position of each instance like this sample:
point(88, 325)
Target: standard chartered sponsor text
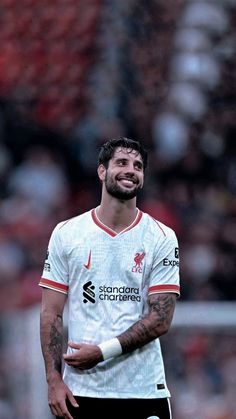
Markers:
point(119, 293)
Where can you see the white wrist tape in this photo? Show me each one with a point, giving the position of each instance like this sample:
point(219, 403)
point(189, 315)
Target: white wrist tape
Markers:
point(110, 348)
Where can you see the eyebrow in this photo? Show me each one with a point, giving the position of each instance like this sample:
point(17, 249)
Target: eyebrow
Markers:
point(120, 159)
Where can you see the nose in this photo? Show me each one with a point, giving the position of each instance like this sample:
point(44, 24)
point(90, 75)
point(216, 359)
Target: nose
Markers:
point(130, 168)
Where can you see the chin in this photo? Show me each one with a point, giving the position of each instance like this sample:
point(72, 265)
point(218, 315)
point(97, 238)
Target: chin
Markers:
point(124, 195)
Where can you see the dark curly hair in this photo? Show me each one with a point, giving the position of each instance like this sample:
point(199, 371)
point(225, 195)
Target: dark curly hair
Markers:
point(107, 150)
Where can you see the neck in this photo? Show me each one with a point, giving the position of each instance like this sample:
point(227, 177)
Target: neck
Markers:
point(116, 214)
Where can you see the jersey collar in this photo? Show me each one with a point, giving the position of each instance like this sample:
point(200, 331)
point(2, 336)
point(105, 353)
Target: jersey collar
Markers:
point(109, 230)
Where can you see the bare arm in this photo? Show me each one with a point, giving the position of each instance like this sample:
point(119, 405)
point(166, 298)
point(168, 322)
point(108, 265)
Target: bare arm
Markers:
point(51, 335)
point(153, 325)
point(51, 331)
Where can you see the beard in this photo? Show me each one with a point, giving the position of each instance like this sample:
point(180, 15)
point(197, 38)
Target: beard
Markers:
point(118, 192)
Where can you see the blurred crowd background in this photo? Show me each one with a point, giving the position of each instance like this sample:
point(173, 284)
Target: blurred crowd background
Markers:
point(75, 73)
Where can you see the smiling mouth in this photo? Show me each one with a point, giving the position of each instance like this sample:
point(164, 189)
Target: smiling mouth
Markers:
point(127, 182)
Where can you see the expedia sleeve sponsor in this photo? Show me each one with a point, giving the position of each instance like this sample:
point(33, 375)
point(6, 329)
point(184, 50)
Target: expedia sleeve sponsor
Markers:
point(165, 272)
point(169, 262)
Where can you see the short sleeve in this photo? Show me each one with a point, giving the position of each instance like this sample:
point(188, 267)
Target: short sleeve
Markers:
point(55, 271)
point(165, 272)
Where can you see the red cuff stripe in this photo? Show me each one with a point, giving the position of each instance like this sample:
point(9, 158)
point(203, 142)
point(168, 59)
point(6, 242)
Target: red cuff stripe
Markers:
point(164, 288)
point(53, 285)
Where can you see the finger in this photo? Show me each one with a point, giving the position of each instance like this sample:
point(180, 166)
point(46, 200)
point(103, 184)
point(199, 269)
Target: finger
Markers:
point(68, 362)
point(75, 364)
point(67, 415)
point(70, 358)
point(67, 357)
point(74, 345)
point(72, 400)
point(65, 412)
point(56, 410)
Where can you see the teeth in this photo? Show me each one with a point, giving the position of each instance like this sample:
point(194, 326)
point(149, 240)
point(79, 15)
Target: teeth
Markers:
point(127, 182)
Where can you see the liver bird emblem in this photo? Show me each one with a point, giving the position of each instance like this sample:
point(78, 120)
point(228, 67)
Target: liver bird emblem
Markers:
point(138, 259)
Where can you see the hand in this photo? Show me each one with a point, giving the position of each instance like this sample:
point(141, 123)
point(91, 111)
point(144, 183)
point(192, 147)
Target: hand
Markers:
point(58, 393)
point(87, 356)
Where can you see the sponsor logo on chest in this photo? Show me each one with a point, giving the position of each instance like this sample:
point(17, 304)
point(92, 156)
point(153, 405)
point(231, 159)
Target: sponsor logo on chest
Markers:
point(109, 293)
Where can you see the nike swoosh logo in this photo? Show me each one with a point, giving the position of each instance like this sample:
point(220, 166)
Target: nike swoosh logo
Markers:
point(88, 264)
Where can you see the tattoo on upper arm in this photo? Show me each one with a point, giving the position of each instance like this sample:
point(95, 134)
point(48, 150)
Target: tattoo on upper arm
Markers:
point(163, 306)
point(55, 344)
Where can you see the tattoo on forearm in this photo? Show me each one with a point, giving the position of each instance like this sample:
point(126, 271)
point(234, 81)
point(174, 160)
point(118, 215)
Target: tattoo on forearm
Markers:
point(151, 326)
point(55, 344)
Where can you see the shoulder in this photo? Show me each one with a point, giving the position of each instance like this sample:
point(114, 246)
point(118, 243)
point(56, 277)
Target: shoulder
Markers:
point(157, 227)
point(72, 224)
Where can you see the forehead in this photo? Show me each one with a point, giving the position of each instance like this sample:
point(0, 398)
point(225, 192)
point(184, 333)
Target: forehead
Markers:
point(126, 153)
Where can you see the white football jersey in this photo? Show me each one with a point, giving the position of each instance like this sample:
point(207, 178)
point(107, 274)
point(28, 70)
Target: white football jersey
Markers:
point(108, 277)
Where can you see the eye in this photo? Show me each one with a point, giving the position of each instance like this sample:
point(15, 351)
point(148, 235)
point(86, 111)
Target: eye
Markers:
point(138, 166)
point(121, 162)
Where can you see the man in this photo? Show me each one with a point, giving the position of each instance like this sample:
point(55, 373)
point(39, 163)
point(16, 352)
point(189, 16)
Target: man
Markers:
point(117, 268)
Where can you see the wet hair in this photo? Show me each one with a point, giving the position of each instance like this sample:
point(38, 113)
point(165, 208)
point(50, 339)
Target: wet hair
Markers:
point(108, 149)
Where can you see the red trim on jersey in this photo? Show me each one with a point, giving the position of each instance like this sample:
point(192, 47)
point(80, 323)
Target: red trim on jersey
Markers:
point(47, 283)
point(157, 222)
point(111, 232)
point(101, 225)
point(164, 288)
point(136, 221)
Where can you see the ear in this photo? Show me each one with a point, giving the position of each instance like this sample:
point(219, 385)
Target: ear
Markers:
point(101, 172)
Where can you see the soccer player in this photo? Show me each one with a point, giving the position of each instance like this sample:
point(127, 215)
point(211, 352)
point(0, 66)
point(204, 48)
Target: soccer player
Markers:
point(117, 269)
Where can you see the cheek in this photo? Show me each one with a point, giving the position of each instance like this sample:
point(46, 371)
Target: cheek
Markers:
point(141, 180)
